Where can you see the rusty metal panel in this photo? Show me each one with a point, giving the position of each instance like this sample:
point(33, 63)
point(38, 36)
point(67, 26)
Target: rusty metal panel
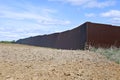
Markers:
point(101, 35)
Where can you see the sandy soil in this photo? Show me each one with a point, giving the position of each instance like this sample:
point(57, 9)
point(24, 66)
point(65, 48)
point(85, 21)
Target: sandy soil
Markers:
point(20, 62)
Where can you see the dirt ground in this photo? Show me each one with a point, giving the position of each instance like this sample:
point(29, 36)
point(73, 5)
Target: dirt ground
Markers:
point(20, 62)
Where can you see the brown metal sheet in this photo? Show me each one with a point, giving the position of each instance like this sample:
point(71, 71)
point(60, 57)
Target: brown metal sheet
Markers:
point(101, 35)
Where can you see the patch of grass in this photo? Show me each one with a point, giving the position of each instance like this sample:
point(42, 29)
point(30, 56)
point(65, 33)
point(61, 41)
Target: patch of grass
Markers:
point(7, 41)
point(112, 53)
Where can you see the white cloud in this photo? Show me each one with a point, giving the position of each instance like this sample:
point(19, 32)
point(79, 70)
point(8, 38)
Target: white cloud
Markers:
point(97, 4)
point(55, 22)
point(44, 16)
point(73, 2)
point(116, 21)
point(27, 20)
point(89, 3)
point(90, 15)
point(113, 15)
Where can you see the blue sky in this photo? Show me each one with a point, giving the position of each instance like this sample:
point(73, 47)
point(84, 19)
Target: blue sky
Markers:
point(25, 18)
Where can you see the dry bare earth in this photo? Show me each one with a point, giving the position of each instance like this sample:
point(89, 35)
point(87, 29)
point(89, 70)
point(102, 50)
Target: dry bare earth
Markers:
point(20, 62)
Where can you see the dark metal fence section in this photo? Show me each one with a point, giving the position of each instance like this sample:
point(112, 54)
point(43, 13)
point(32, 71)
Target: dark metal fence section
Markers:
point(72, 39)
point(102, 35)
point(43, 41)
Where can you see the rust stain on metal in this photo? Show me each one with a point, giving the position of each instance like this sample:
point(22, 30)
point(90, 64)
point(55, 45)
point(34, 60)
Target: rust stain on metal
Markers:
point(101, 35)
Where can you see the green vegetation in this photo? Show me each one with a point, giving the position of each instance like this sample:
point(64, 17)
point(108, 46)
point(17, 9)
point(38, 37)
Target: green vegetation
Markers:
point(112, 53)
point(7, 41)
